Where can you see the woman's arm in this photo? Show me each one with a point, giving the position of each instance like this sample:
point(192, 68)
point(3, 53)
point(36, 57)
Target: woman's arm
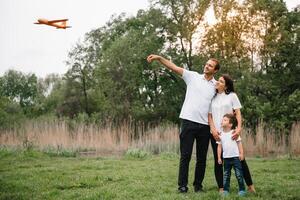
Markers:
point(241, 150)
point(213, 129)
point(238, 129)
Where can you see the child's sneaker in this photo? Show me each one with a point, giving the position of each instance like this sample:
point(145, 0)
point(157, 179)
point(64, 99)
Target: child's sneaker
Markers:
point(242, 193)
point(225, 193)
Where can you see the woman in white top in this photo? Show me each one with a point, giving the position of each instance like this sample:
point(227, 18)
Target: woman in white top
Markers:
point(224, 102)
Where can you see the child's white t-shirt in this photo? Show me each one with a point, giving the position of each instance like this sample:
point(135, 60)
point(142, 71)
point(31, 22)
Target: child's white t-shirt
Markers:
point(229, 146)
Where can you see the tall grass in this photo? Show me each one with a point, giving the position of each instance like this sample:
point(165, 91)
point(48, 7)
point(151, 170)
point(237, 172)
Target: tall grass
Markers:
point(295, 139)
point(110, 140)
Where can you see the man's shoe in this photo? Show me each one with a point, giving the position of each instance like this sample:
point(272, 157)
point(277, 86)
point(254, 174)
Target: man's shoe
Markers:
point(198, 189)
point(183, 189)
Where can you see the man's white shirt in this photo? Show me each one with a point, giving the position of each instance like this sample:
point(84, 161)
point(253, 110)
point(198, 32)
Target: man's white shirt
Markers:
point(199, 94)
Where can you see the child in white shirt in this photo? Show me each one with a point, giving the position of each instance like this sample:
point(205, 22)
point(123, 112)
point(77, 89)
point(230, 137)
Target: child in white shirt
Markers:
point(232, 154)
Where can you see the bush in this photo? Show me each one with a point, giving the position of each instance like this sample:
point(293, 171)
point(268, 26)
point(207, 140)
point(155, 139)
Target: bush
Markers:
point(59, 152)
point(136, 153)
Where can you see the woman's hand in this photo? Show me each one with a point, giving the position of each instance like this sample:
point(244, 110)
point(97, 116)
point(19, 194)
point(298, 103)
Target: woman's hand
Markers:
point(236, 133)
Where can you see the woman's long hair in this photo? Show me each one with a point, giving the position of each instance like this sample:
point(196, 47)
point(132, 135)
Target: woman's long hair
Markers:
point(228, 83)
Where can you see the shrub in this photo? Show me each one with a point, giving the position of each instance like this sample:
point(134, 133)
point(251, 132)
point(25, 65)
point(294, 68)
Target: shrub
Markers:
point(136, 153)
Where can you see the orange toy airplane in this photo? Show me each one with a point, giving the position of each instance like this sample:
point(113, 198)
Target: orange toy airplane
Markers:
point(60, 23)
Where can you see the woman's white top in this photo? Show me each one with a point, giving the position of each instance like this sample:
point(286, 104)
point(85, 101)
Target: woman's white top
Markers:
point(222, 104)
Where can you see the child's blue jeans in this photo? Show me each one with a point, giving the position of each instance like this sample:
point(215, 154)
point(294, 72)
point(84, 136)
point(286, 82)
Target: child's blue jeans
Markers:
point(236, 164)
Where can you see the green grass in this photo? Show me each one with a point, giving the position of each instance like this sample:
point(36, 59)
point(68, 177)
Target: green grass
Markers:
point(37, 175)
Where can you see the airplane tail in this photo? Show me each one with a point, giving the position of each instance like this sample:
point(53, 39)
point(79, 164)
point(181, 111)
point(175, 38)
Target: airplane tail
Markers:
point(64, 23)
point(63, 27)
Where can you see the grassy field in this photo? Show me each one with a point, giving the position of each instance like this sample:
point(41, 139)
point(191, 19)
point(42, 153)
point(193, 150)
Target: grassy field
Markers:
point(38, 175)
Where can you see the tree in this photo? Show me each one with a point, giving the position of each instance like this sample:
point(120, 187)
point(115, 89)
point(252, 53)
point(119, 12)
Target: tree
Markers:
point(128, 85)
point(227, 38)
point(79, 76)
point(184, 19)
point(280, 69)
point(19, 87)
point(51, 92)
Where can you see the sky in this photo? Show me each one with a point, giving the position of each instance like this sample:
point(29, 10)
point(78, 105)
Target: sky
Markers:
point(42, 49)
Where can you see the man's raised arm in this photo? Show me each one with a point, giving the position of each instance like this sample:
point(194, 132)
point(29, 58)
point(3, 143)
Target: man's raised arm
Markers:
point(168, 64)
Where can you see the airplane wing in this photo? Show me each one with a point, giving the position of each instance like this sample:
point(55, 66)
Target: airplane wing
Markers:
point(59, 20)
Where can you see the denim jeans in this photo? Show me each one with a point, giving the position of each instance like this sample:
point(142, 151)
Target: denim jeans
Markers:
point(219, 168)
point(191, 131)
point(236, 164)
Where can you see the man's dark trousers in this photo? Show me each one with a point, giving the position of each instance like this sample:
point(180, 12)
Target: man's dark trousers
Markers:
point(189, 132)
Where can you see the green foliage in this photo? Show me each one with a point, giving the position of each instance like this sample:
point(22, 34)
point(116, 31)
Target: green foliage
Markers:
point(169, 155)
point(19, 87)
point(59, 152)
point(11, 114)
point(184, 18)
point(51, 91)
point(136, 154)
point(293, 105)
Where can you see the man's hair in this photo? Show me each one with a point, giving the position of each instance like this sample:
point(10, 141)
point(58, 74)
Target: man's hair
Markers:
point(218, 66)
point(232, 120)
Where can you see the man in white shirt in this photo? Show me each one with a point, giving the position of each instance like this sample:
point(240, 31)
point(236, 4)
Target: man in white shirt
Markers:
point(194, 115)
